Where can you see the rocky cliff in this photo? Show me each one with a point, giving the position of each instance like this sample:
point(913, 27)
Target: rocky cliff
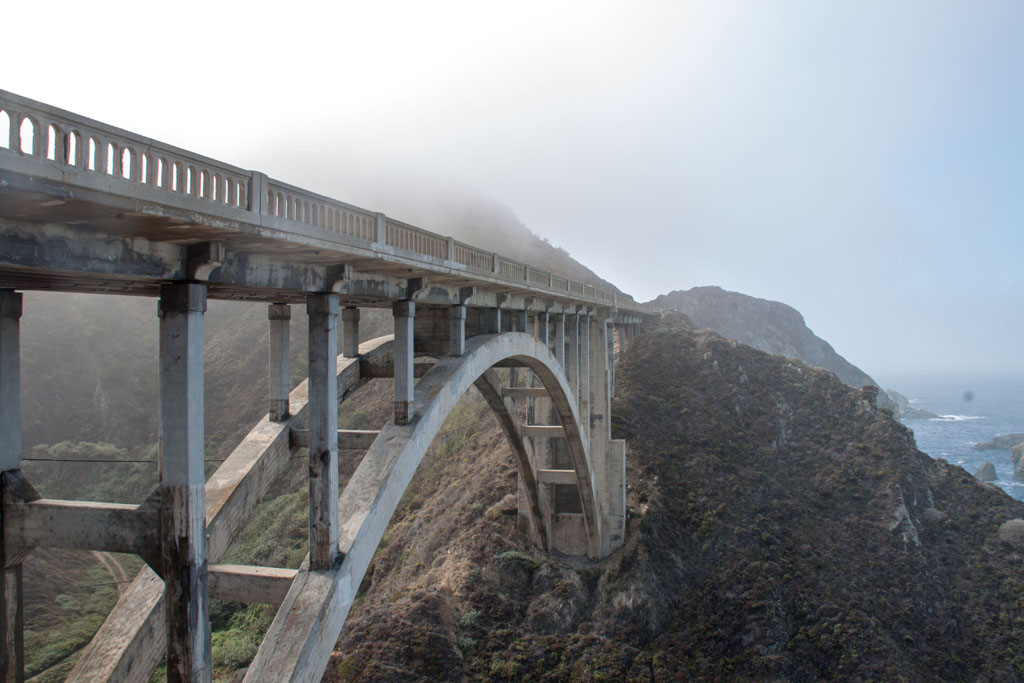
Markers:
point(770, 326)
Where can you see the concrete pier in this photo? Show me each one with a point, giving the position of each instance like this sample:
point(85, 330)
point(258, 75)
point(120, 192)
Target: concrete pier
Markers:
point(542, 328)
point(404, 313)
point(491, 320)
point(572, 352)
point(560, 338)
point(280, 316)
point(350, 332)
point(323, 430)
point(456, 330)
point(183, 546)
point(12, 616)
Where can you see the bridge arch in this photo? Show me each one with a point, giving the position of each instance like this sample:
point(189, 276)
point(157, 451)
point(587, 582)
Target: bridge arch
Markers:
point(300, 640)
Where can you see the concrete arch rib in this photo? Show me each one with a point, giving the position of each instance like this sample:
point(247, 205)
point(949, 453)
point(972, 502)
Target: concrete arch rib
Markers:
point(300, 640)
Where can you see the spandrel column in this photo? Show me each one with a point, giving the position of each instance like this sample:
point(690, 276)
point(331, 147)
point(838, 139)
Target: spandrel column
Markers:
point(280, 316)
point(404, 313)
point(350, 332)
point(456, 330)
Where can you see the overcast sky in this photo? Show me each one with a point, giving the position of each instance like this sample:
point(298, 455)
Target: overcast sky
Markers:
point(860, 161)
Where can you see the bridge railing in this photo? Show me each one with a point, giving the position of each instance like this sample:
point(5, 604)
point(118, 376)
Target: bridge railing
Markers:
point(291, 203)
point(83, 148)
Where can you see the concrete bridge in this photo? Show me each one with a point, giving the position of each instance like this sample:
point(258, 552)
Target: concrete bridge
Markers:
point(87, 207)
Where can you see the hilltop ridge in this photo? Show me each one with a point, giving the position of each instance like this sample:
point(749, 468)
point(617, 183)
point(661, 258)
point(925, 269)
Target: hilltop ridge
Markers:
point(771, 326)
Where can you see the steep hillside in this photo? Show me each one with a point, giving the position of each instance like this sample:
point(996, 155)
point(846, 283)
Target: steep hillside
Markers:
point(770, 326)
point(783, 528)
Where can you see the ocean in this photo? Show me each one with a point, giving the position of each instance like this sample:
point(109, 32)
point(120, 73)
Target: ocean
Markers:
point(972, 411)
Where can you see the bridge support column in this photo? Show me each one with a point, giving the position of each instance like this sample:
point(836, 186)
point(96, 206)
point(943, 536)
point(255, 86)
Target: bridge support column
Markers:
point(404, 313)
point(12, 651)
point(491, 319)
point(280, 372)
point(456, 330)
point(322, 414)
point(572, 358)
point(560, 338)
point(606, 455)
point(611, 349)
point(542, 328)
point(350, 332)
point(519, 321)
point(182, 482)
point(584, 391)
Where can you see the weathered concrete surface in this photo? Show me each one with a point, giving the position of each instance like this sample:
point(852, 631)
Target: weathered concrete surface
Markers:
point(10, 381)
point(183, 546)
point(350, 332)
point(12, 659)
point(353, 439)
point(299, 642)
point(129, 645)
point(248, 584)
point(111, 527)
point(404, 317)
point(278, 360)
point(323, 430)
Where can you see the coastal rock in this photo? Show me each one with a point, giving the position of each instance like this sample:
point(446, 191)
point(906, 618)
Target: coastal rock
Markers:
point(1003, 441)
point(1012, 532)
point(1016, 452)
point(1018, 469)
point(906, 410)
point(933, 516)
point(987, 472)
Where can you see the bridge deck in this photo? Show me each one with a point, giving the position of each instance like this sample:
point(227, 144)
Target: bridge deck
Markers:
point(89, 207)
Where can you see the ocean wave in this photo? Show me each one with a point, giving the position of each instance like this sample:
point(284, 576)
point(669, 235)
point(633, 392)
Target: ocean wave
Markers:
point(955, 418)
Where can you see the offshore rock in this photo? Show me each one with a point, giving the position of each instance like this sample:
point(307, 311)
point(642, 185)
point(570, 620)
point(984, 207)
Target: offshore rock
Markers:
point(1003, 441)
point(987, 472)
point(1016, 452)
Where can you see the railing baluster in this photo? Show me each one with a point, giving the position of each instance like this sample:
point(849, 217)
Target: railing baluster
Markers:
point(14, 131)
